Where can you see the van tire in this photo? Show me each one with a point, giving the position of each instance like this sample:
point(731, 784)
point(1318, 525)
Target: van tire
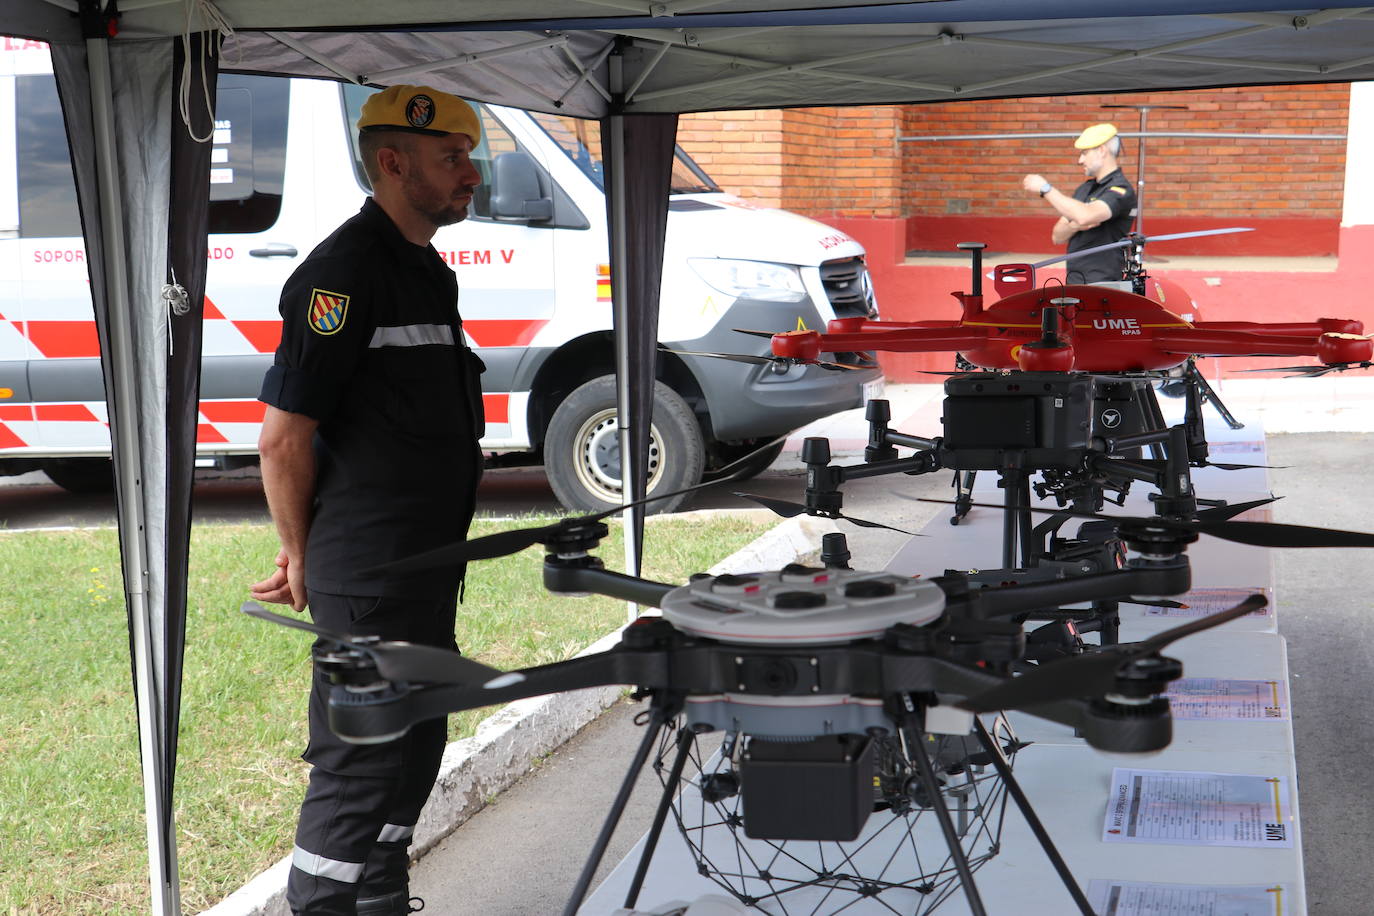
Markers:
point(582, 450)
point(81, 475)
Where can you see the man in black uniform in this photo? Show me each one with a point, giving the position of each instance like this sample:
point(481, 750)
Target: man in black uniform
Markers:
point(1099, 212)
point(370, 453)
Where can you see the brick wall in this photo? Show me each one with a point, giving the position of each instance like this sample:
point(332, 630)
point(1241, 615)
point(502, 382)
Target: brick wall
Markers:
point(1187, 177)
point(817, 161)
point(847, 163)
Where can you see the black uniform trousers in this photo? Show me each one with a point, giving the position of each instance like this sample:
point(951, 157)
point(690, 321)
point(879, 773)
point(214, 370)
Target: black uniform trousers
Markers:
point(363, 801)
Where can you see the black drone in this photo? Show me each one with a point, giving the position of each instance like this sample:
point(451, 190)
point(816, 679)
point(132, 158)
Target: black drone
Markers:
point(869, 684)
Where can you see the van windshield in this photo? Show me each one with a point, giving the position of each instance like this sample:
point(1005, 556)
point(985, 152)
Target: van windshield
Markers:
point(581, 140)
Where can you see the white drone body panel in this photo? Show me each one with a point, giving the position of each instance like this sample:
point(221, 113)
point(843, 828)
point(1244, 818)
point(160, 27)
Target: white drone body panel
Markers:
point(801, 606)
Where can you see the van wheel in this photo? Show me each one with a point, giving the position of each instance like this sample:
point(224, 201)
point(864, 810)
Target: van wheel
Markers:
point(81, 475)
point(582, 449)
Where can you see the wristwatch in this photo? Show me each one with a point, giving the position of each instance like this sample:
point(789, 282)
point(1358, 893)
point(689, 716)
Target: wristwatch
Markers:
point(1046, 188)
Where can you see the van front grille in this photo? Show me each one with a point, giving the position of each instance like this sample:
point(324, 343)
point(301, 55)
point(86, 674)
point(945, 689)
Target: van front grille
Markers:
point(848, 288)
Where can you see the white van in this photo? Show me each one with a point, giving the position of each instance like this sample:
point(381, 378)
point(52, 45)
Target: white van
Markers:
point(531, 263)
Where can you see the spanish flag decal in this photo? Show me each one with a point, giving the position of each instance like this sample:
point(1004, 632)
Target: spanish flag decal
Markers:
point(327, 311)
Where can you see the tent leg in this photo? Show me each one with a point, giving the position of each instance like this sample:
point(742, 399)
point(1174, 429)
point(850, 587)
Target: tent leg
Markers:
point(124, 441)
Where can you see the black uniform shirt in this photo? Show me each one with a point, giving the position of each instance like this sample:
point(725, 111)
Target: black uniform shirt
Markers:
point(372, 347)
point(1116, 192)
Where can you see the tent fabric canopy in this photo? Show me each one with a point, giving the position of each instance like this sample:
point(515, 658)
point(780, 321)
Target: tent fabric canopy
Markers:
point(143, 184)
point(775, 53)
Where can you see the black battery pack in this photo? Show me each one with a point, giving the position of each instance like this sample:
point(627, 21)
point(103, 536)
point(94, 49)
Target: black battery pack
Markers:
point(1045, 418)
point(816, 789)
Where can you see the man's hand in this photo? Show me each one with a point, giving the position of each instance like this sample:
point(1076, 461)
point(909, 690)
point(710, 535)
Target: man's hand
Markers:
point(286, 585)
point(1033, 183)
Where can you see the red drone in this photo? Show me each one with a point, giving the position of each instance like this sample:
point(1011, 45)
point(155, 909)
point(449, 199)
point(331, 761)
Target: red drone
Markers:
point(1086, 328)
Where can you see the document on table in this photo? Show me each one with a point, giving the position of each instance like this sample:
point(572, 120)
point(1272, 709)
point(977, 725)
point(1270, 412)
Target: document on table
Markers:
point(1203, 601)
point(1228, 699)
point(1198, 809)
point(1132, 898)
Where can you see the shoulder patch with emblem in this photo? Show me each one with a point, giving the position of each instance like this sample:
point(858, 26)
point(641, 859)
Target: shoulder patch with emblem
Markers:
point(1119, 190)
point(327, 311)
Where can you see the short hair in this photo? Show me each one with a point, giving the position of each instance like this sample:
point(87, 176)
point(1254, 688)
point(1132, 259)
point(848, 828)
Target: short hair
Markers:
point(1114, 146)
point(371, 141)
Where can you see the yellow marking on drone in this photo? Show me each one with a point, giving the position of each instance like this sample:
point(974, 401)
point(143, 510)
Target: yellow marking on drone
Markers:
point(710, 305)
point(1274, 686)
point(801, 324)
point(1278, 805)
point(1277, 891)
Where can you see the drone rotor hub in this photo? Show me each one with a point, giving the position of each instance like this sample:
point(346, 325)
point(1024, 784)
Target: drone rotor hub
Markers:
point(801, 345)
point(576, 538)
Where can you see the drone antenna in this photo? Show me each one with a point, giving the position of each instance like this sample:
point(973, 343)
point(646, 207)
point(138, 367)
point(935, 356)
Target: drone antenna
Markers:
point(976, 250)
point(1140, 159)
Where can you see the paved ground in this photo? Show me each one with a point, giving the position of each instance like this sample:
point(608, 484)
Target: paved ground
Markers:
point(536, 835)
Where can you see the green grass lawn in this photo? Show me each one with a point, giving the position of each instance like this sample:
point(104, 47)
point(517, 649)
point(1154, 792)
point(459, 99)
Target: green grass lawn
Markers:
point(71, 802)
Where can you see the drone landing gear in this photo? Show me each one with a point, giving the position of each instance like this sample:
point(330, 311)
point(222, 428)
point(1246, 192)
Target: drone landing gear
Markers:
point(925, 793)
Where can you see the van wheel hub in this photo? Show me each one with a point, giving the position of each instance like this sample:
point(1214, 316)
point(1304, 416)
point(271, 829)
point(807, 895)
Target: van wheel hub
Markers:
point(598, 459)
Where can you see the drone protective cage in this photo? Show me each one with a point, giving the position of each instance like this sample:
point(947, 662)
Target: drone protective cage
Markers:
point(817, 789)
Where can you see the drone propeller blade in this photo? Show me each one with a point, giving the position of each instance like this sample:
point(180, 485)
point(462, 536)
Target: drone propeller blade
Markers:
point(792, 510)
point(739, 463)
point(1154, 602)
point(1257, 534)
point(734, 357)
point(504, 543)
point(1314, 371)
point(487, 547)
point(1160, 640)
point(1092, 674)
point(1197, 234)
point(1222, 513)
point(766, 335)
point(765, 360)
point(253, 609)
point(1142, 239)
point(396, 661)
point(1244, 467)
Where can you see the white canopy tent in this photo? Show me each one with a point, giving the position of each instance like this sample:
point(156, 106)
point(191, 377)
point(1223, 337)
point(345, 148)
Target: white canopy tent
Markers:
point(131, 73)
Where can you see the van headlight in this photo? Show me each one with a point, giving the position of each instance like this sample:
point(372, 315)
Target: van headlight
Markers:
point(751, 279)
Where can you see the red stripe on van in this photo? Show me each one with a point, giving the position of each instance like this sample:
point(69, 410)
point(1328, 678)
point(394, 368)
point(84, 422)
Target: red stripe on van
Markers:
point(263, 335)
point(8, 439)
point(67, 413)
point(212, 310)
point(62, 339)
point(233, 411)
point(516, 332)
point(496, 407)
point(207, 433)
point(16, 412)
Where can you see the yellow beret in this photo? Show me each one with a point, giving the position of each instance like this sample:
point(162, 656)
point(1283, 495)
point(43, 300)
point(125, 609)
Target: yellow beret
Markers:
point(420, 110)
point(1095, 136)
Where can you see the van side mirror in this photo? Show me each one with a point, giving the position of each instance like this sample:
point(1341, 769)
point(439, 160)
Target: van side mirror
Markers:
point(515, 190)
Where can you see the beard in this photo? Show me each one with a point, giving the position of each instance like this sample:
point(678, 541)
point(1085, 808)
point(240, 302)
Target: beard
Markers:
point(426, 200)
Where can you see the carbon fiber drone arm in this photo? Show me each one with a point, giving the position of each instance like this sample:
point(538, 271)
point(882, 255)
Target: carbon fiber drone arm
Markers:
point(1158, 577)
point(586, 574)
point(1109, 727)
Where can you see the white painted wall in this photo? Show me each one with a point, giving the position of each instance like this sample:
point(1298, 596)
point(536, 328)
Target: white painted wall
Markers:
point(1359, 158)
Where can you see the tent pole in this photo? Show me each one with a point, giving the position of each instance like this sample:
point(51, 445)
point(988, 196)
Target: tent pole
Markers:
point(129, 484)
point(620, 305)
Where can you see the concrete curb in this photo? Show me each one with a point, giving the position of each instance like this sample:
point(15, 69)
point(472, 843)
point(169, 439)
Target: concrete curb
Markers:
point(506, 744)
